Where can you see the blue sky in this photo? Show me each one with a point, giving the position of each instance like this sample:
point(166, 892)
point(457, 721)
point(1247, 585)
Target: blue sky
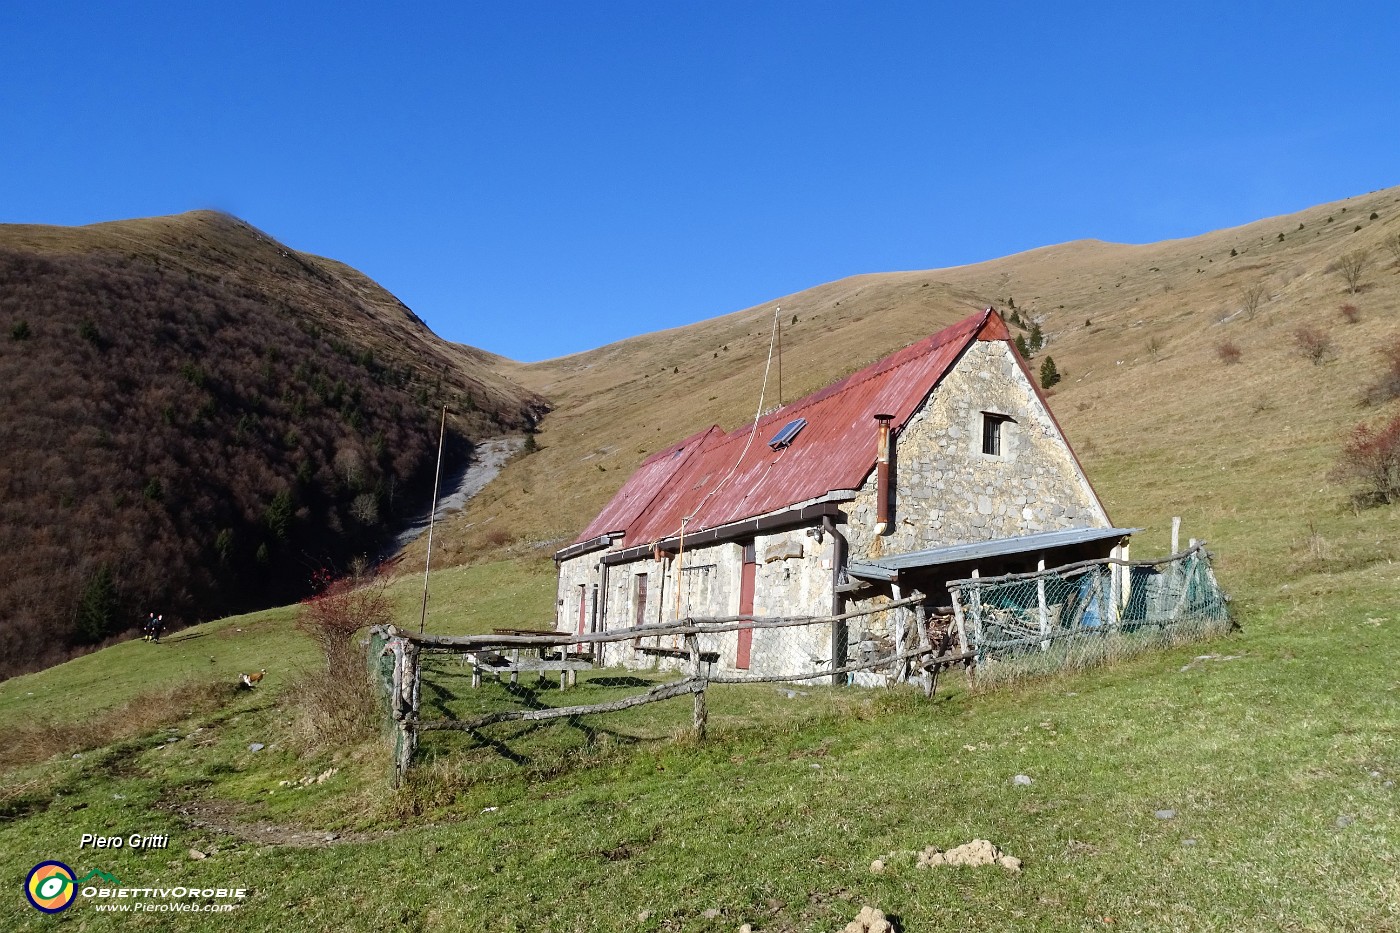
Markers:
point(541, 178)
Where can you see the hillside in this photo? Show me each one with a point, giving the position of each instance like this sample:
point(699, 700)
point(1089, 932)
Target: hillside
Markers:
point(1136, 331)
point(197, 418)
point(1247, 783)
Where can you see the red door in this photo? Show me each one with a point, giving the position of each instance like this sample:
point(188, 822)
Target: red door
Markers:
point(746, 581)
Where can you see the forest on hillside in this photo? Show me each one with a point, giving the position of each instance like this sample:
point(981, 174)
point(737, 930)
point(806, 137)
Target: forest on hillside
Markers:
point(185, 443)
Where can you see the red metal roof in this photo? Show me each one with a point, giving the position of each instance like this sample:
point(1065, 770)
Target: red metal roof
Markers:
point(692, 479)
point(642, 486)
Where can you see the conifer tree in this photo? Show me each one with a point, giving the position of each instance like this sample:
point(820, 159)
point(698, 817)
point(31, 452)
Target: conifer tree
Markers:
point(97, 607)
point(1049, 374)
point(1037, 339)
point(1021, 347)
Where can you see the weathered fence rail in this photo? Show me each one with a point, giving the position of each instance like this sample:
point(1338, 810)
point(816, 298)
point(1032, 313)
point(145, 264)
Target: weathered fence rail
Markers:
point(918, 658)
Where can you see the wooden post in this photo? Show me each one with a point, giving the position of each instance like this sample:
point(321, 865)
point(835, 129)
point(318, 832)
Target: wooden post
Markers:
point(1127, 588)
point(401, 686)
point(1114, 571)
point(901, 671)
point(958, 616)
point(1176, 532)
point(702, 714)
point(925, 649)
point(396, 684)
point(1040, 604)
point(976, 605)
point(415, 685)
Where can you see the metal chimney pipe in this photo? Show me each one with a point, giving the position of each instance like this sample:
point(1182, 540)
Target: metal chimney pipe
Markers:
point(882, 475)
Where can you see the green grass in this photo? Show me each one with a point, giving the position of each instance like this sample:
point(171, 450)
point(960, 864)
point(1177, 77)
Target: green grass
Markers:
point(473, 600)
point(1267, 760)
point(463, 600)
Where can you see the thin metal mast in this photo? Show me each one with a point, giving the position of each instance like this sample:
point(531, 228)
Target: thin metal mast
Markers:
point(432, 519)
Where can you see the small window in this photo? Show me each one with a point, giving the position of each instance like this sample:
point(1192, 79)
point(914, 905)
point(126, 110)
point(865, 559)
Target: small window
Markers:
point(993, 435)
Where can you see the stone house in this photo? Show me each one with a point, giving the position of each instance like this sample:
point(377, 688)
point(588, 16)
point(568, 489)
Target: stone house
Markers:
point(937, 461)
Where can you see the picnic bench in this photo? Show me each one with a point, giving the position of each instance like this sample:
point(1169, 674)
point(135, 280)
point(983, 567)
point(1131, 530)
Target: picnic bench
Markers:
point(512, 660)
point(709, 657)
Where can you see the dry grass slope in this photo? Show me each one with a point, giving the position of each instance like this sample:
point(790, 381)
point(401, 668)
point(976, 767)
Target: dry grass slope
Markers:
point(1135, 331)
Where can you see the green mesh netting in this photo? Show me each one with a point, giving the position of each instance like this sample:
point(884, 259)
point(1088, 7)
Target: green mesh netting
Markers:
point(381, 673)
point(381, 665)
point(1073, 617)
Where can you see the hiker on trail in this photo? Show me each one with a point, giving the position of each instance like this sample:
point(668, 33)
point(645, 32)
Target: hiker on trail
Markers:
point(148, 628)
point(158, 627)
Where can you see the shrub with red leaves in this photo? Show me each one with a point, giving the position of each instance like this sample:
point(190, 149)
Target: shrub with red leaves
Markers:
point(1371, 459)
point(338, 704)
point(336, 614)
point(1313, 344)
point(1387, 387)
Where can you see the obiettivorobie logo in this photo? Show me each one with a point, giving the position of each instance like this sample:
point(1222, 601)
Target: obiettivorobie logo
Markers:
point(51, 886)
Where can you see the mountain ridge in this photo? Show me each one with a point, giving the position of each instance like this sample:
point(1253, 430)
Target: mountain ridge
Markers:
point(199, 419)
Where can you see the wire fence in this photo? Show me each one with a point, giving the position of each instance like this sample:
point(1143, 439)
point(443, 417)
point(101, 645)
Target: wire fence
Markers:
point(1084, 614)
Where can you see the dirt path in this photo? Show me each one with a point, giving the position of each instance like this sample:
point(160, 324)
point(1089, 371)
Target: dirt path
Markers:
point(457, 490)
point(222, 817)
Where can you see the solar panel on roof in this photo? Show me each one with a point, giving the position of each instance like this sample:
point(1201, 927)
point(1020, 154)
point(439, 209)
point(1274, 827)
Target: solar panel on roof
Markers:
point(785, 437)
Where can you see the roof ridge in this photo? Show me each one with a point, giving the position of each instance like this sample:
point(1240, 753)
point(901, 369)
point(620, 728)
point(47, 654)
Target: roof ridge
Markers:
point(877, 368)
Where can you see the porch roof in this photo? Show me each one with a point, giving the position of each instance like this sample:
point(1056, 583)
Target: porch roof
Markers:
point(888, 568)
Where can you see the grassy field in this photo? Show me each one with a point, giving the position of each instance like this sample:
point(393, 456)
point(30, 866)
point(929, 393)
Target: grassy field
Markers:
point(1246, 783)
point(1278, 758)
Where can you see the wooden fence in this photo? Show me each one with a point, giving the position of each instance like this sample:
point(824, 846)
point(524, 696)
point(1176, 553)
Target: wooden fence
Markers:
point(918, 659)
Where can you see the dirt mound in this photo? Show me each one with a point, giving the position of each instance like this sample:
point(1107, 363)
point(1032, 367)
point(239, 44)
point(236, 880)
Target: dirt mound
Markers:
point(976, 852)
point(870, 920)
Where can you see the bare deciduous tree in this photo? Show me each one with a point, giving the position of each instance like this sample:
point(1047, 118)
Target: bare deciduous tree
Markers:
point(1392, 243)
point(1351, 265)
point(1252, 298)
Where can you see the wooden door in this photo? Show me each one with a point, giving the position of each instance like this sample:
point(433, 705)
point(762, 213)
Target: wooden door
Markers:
point(639, 600)
point(582, 608)
point(746, 586)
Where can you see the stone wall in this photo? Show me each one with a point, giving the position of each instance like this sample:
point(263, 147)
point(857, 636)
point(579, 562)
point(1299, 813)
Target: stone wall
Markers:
point(792, 577)
point(573, 574)
point(946, 491)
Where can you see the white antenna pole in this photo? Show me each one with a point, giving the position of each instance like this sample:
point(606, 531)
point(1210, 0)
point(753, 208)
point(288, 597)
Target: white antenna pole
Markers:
point(432, 518)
